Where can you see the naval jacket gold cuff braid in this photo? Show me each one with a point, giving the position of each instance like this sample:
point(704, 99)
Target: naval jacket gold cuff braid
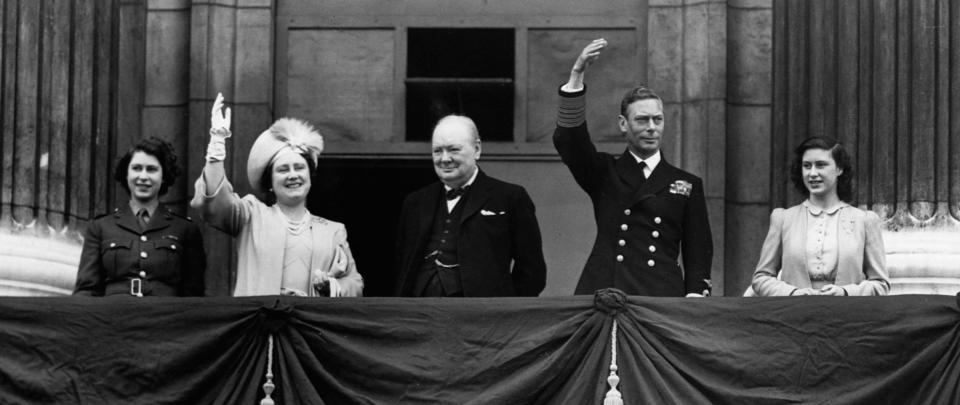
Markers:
point(573, 108)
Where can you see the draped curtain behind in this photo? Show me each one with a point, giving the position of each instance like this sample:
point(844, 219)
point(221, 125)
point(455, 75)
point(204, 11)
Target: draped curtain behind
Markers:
point(852, 350)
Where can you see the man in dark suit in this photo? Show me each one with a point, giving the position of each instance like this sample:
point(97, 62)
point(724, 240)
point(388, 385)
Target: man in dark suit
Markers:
point(458, 237)
point(647, 211)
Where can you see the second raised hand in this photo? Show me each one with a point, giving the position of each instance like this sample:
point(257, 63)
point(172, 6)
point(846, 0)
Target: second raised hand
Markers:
point(590, 53)
point(220, 118)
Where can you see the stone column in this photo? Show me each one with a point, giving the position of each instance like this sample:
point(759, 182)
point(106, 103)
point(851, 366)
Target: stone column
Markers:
point(166, 82)
point(749, 112)
point(231, 51)
point(687, 65)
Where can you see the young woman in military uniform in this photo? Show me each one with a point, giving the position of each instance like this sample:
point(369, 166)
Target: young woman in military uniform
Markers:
point(143, 248)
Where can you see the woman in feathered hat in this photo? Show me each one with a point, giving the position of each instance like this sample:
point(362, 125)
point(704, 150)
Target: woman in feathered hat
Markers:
point(282, 248)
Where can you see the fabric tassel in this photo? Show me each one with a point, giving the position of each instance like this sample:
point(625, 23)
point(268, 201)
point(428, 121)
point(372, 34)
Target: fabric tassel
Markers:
point(268, 386)
point(613, 396)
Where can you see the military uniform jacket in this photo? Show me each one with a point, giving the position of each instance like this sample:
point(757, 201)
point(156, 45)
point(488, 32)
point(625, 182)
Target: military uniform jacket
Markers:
point(498, 228)
point(167, 257)
point(642, 226)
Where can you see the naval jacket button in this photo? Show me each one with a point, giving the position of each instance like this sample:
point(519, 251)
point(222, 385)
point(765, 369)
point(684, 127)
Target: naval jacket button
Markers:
point(657, 220)
point(143, 238)
point(655, 234)
point(143, 255)
point(622, 242)
point(626, 211)
point(650, 263)
point(619, 258)
point(653, 248)
point(623, 227)
point(143, 274)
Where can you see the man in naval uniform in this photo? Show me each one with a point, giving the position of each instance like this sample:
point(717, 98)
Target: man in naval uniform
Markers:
point(468, 235)
point(647, 211)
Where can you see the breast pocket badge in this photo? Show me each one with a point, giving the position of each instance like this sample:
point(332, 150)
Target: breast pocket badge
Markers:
point(681, 187)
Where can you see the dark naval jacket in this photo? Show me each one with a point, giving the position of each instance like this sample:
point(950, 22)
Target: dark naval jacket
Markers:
point(166, 258)
point(642, 225)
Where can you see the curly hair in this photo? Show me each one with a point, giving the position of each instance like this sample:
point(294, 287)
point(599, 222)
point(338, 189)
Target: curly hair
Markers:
point(158, 148)
point(839, 154)
point(636, 94)
point(266, 180)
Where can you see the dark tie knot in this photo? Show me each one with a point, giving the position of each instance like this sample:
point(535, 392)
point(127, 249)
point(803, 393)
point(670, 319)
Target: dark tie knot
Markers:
point(143, 216)
point(456, 192)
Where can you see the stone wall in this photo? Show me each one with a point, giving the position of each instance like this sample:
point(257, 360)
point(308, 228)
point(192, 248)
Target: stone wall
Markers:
point(742, 81)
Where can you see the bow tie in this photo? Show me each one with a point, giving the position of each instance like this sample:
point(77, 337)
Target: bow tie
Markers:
point(456, 192)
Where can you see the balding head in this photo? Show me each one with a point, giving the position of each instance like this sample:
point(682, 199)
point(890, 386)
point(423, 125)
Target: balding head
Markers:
point(456, 148)
point(455, 122)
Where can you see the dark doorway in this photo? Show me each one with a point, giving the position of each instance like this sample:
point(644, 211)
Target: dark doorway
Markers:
point(366, 195)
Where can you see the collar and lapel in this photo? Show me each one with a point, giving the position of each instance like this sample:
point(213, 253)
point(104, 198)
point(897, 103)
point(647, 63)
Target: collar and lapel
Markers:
point(849, 252)
point(127, 220)
point(428, 208)
point(628, 170)
point(478, 194)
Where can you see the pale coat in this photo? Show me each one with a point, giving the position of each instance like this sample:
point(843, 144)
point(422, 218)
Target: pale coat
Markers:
point(260, 234)
point(861, 262)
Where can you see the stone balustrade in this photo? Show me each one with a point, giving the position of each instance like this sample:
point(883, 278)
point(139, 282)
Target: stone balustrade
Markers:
point(34, 266)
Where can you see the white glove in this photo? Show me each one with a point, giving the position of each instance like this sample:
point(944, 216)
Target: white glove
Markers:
point(219, 131)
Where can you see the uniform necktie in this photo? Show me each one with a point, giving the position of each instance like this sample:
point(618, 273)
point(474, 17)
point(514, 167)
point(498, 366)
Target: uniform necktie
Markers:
point(143, 217)
point(643, 177)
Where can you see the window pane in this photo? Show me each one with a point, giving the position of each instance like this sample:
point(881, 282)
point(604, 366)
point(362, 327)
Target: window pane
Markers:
point(468, 71)
point(489, 105)
point(460, 52)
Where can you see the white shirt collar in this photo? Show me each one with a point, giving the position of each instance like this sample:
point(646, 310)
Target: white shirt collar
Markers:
point(816, 211)
point(469, 182)
point(651, 162)
point(151, 207)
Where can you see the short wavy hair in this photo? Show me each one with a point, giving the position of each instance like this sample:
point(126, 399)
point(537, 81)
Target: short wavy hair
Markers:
point(158, 148)
point(839, 154)
point(636, 94)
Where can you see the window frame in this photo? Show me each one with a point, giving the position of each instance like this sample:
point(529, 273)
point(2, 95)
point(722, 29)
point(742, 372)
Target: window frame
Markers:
point(521, 22)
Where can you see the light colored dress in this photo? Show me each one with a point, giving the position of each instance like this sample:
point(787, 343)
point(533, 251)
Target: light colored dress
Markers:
point(262, 233)
point(822, 243)
point(789, 257)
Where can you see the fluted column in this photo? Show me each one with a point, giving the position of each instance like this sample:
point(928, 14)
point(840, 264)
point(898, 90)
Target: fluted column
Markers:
point(231, 51)
point(687, 66)
point(749, 113)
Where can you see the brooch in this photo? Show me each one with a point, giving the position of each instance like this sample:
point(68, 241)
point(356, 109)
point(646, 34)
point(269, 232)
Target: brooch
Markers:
point(681, 187)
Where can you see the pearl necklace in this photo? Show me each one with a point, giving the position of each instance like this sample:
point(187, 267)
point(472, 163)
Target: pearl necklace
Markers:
point(297, 227)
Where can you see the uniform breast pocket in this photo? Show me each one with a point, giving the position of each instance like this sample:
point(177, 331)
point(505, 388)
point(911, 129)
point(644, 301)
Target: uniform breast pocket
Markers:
point(494, 221)
point(112, 254)
point(171, 252)
point(675, 199)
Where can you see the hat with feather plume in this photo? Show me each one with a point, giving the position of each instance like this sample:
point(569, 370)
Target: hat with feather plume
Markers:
point(286, 133)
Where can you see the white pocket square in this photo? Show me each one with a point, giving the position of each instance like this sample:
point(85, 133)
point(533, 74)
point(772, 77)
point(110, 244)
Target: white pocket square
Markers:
point(488, 213)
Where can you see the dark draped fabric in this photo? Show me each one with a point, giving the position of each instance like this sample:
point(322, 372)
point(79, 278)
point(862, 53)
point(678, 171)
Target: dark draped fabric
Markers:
point(817, 350)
